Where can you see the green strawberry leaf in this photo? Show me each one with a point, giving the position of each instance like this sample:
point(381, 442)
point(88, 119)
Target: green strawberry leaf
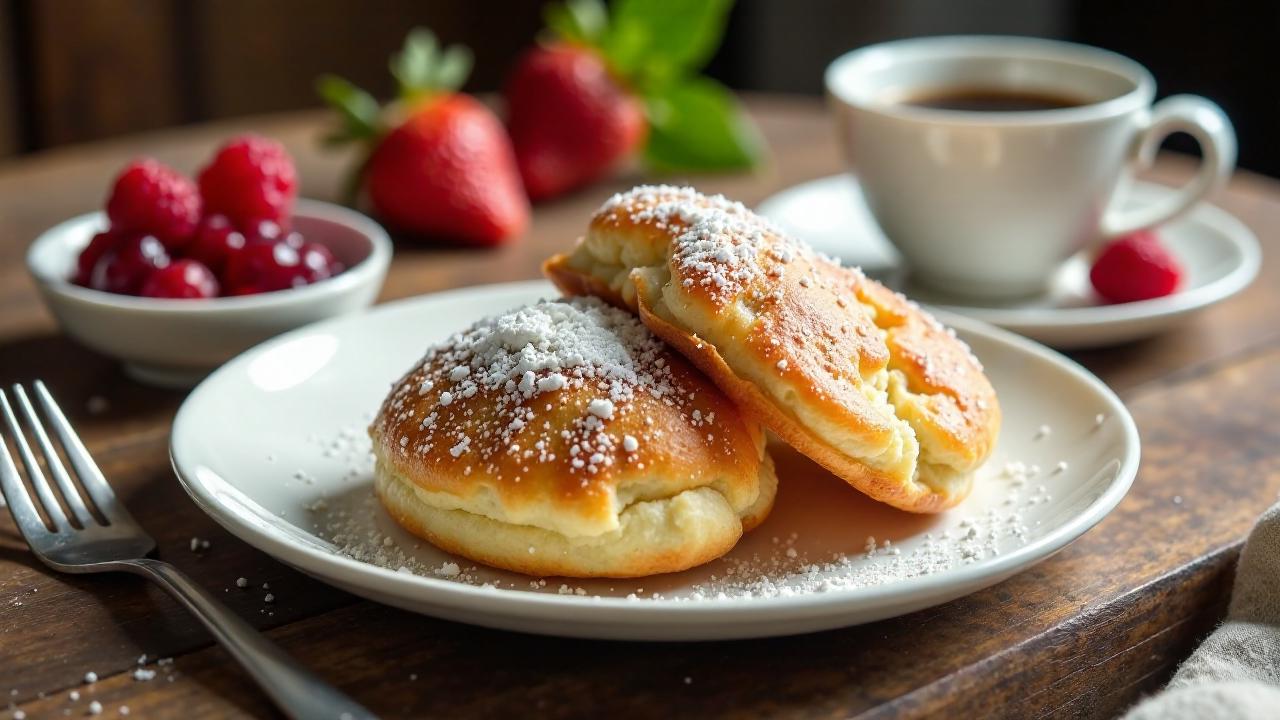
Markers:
point(658, 41)
point(697, 125)
point(361, 115)
point(422, 67)
point(413, 66)
point(578, 21)
point(452, 68)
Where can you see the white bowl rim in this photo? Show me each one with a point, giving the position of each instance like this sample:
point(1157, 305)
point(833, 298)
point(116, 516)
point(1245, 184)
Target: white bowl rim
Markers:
point(367, 269)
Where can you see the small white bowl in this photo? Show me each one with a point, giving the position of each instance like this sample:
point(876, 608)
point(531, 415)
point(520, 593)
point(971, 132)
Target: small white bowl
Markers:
point(175, 343)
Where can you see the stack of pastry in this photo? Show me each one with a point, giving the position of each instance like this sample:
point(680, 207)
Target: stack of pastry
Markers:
point(619, 433)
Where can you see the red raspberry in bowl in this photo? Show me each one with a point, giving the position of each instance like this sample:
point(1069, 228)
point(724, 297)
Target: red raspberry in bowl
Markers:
point(160, 244)
point(216, 240)
point(294, 240)
point(150, 198)
point(265, 230)
point(264, 267)
point(251, 178)
point(183, 279)
point(100, 245)
point(1135, 267)
point(124, 269)
point(319, 261)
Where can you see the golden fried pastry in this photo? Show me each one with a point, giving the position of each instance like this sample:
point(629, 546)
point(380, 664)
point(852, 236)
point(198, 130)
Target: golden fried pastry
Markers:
point(563, 438)
point(848, 372)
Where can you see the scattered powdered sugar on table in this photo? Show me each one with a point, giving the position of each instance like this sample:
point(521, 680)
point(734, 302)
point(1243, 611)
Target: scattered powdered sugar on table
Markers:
point(140, 673)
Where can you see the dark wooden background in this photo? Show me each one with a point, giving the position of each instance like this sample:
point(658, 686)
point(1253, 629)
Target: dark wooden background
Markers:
point(79, 70)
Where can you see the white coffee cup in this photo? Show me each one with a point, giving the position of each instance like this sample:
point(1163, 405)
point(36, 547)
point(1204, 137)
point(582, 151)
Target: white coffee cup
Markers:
point(989, 203)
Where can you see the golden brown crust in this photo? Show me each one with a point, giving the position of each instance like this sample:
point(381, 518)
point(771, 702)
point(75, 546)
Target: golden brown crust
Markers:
point(875, 484)
point(655, 537)
point(575, 283)
point(850, 373)
point(558, 422)
point(937, 365)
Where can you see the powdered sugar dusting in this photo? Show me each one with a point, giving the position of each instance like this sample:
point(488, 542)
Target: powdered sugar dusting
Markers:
point(720, 243)
point(519, 361)
point(729, 251)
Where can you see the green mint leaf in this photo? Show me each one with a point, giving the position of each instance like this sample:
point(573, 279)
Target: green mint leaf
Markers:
point(697, 125)
point(658, 41)
point(580, 21)
point(361, 115)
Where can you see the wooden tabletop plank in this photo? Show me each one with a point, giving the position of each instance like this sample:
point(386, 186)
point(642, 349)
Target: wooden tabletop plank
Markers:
point(1080, 634)
point(102, 623)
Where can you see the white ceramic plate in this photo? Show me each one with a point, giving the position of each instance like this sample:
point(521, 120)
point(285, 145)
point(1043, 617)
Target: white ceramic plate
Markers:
point(1220, 254)
point(272, 446)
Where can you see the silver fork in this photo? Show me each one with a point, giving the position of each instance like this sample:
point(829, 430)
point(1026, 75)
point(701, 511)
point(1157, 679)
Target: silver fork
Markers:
point(113, 541)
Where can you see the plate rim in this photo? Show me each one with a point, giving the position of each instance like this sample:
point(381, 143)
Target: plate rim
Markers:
point(519, 603)
point(1239, 236)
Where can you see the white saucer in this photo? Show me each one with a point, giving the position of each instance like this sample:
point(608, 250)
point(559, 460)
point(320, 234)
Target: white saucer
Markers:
point(1220, 254)
point(272, 446)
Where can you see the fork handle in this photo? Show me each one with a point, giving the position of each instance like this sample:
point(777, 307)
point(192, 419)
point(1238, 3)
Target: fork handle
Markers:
point(294, 689)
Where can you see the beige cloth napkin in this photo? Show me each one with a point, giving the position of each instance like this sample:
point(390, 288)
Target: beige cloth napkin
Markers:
point(1235, 674)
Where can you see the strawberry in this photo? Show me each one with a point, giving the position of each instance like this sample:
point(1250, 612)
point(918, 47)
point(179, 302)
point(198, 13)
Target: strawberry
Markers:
point(1135, 267)
point(445, 168)
point(615, 80)
point(448, 171)
point(571, 121)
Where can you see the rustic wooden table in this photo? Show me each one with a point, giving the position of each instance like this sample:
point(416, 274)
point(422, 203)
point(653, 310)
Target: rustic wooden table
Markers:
point(1080, 635)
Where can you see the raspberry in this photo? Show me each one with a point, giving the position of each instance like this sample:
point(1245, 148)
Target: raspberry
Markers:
point(250, 179)
point(183, 279)
point(216, 240)
point(264, 267)
point(1135, 267)
point(100, 245)
point(125, 269)
point(262, 230)
point(319, 261)
point(149, 198)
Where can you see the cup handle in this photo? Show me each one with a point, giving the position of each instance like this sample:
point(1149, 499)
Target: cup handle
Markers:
point(1201, 119)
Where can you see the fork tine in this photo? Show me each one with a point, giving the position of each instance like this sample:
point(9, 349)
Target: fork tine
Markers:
point(15, 494)
point(86, 469)
point(52, 461)
point(38, 482)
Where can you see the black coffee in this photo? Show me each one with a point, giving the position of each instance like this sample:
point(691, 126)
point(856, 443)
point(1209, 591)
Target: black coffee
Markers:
point(992, 100)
